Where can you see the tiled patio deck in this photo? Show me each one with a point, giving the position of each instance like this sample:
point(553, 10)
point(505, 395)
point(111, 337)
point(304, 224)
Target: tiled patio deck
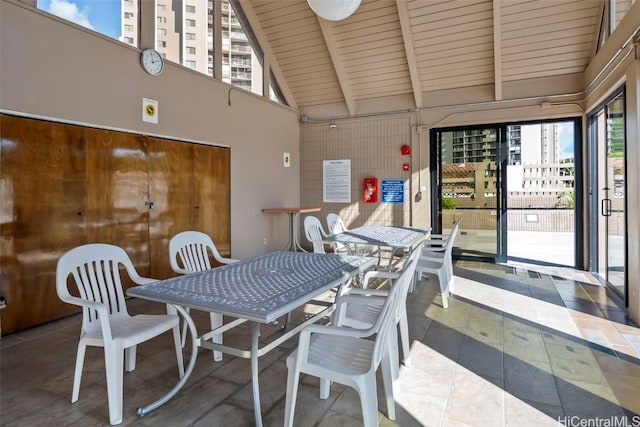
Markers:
point(517, 346)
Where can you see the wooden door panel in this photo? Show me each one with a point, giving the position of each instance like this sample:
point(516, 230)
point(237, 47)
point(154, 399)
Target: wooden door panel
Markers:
point(212, 194)
point(117, 181)
point(171, 192)
point(43, 179)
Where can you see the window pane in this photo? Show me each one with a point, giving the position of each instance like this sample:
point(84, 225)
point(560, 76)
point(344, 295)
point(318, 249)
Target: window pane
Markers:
point(618, 9)
point(113, 18)
point(172, 36)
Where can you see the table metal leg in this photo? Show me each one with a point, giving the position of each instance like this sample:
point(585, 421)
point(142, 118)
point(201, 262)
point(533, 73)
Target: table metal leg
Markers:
point(294, 232)
point(291, 245)
point(255, 340)
point(142, 411)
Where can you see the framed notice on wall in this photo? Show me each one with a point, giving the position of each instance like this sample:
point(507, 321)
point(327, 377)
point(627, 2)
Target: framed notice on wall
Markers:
point(336, 181)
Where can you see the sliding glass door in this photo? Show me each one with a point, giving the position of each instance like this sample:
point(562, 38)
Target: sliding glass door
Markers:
point(468, 178)
point(608, 193)
point(513, 188)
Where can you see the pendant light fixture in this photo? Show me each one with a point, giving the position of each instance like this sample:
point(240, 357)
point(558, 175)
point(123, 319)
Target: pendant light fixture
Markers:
point(334, 10)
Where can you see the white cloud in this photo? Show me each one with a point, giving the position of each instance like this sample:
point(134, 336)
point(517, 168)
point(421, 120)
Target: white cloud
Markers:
point(70, 11)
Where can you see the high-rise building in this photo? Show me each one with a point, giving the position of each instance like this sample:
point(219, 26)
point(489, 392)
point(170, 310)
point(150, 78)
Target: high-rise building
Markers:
point(185, 34)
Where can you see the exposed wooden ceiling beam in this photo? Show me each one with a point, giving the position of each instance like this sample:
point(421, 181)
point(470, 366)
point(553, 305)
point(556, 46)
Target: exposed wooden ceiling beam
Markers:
point(333, 48)
point(407, 35)
point(271, 60)
point(497, 49)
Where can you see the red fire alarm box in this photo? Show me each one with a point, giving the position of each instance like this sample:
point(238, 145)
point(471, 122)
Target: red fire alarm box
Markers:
point(370, 190)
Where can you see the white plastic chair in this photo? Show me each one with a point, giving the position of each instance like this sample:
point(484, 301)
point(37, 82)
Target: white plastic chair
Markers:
point(189, 253)
point(347, 356)
point(437, 261)
point(362, 313)
point(315, 233)
point(105, 321)
point(191, 249)
point(336, 225)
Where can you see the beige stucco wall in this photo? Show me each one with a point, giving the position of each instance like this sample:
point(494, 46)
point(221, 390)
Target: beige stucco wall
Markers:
point(51, 68)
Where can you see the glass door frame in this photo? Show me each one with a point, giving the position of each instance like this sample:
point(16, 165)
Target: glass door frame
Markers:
point(594, 184)
point(501, 208)
point(501, 187)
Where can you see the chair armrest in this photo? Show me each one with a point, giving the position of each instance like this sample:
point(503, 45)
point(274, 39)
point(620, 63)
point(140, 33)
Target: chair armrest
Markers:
point(70, 299)
point(225, 260)
point(143, 280)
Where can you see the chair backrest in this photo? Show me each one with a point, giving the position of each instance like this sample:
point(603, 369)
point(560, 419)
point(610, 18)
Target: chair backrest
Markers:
point(315, 233)
point(335, 223)
point(192, 248)
point(452, 236)
point(390, 310)
point(96, 272)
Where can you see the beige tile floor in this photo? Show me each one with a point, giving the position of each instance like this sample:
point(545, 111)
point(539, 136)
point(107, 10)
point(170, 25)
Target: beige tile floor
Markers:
point(518, 346)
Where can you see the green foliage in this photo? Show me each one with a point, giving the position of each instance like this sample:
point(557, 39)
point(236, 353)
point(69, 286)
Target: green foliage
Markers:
point(447, 203)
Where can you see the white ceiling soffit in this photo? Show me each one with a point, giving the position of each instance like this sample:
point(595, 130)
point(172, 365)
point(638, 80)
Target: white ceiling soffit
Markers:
point(397, 52)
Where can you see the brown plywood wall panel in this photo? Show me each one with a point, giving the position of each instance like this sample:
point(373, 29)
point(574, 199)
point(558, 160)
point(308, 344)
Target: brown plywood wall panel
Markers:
point(212, 195)
point(117, 181)
point(171, 194)
point(65, 185)
point(43, 202)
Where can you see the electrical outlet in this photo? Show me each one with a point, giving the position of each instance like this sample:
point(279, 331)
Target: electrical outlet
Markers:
point(264, 242)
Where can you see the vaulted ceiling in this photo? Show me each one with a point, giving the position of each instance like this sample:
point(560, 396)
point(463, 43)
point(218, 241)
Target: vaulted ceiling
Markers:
point(399, 53)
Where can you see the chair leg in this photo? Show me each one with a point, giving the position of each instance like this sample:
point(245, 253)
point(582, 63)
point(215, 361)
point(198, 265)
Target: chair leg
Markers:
point(113, 361)
point(130, 358)
point(216, 322)
point(184, 329)
point(393, 353)
point(444, 287)
point(367, 391)
point(404, 337)
point(292, 393)
point(178, 346)
point(387, 380)
point(325, 388)
point(77, 376)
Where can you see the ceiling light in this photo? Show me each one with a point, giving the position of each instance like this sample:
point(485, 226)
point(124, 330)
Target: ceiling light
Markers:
point(334, 10)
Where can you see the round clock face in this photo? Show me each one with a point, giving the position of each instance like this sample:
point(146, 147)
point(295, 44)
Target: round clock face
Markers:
point(152, 61)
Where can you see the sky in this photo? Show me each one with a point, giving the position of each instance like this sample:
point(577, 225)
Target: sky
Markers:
point(565, 130)
point(102, 16)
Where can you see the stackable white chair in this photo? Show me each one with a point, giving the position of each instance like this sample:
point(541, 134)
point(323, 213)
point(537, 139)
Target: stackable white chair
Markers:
point(336, 225)
point(348, 356)
point(315, 233)
point(437, 260)
point(95, 269)
point(362, 313)
point(189, 253)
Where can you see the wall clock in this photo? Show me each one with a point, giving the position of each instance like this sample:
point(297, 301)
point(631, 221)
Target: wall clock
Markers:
point(152, 61)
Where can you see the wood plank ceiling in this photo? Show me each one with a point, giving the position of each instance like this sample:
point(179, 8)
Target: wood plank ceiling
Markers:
point(399, 52)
